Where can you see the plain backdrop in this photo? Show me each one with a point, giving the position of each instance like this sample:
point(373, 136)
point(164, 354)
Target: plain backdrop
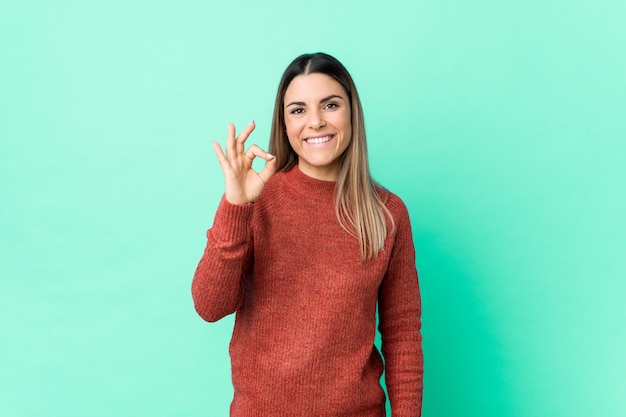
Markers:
point(501, 124)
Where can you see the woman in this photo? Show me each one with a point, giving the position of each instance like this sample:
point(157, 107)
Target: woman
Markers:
point(303, 252)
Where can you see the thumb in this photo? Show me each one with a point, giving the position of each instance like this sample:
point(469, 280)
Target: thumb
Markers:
point(269, 169)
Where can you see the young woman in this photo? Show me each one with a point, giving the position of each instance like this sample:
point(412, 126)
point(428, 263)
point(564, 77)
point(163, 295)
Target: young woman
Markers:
point(303, 251)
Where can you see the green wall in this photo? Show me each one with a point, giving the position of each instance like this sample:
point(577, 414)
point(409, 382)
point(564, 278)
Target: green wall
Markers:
point(500, 123)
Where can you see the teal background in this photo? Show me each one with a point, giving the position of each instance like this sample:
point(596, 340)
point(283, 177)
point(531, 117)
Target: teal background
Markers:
point(500, 124)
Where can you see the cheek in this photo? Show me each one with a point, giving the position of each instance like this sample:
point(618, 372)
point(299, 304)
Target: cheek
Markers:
point(348, 130)
point(291, 128)
point(292, 142)
point(346, 127)
point(292, 136)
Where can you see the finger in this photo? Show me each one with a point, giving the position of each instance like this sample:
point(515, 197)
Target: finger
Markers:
point(269, 169)
point(241, 139)
point(254, 151)
point(220, 154)
point(231, 149)
point(270, 161)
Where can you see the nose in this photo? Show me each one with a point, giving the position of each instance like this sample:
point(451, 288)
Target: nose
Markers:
point(316, 121)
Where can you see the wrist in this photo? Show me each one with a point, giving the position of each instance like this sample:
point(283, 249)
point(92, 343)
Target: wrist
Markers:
point(237, 199)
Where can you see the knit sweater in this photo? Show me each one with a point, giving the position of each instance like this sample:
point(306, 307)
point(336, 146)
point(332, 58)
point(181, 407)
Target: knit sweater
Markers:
point(305, 303)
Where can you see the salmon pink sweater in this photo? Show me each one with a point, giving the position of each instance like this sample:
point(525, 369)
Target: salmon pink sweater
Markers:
point(303, 341)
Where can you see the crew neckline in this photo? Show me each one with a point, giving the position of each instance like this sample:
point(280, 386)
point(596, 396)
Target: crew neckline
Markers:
point(310, 186)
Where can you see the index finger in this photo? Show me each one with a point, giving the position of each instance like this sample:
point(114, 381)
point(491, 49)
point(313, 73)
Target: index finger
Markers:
point(241, 139)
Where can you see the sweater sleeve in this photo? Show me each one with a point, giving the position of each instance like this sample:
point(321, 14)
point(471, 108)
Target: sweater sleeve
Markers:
point(218, 282)
point(400, 323)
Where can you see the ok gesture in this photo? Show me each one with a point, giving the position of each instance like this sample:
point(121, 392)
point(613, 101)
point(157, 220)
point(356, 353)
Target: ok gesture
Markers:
point(242, 183)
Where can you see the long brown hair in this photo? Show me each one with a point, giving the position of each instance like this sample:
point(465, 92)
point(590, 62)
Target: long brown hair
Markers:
point(360, 209)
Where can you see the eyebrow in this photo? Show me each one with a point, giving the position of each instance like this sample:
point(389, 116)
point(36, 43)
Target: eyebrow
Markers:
point(302, 103)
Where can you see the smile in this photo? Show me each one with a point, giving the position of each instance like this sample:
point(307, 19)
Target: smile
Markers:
point(321, 139)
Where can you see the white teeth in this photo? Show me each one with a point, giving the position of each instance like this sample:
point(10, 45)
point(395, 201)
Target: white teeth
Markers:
point(318, 140)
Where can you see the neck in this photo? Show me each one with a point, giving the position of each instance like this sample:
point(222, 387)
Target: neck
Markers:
point(326, 173)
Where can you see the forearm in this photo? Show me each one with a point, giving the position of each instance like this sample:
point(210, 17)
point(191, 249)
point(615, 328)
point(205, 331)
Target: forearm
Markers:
point(404, 368)
point(217, 287)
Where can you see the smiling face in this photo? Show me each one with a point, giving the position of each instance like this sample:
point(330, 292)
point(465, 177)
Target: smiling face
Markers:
point(318, 123)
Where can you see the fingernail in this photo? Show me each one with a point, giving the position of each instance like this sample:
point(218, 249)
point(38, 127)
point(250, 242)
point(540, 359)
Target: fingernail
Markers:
point(269, 155)
point(252, 122)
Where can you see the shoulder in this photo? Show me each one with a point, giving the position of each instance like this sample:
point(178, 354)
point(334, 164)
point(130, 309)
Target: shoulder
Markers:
point(401, 233)
point(394, 203)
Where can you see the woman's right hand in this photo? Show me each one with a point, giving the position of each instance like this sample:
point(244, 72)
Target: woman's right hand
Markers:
point(243, 184)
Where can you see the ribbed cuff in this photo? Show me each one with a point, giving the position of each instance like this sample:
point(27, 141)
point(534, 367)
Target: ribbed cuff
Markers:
point(232, 221)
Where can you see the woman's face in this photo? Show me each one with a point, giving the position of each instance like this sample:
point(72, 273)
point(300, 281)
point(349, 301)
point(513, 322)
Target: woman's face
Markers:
point(319, 124)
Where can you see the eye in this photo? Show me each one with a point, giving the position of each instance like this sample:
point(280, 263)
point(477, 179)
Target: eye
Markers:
point(331, 106)
point(297, 110)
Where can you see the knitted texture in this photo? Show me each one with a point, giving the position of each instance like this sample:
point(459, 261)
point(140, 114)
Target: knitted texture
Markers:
point(303, 342)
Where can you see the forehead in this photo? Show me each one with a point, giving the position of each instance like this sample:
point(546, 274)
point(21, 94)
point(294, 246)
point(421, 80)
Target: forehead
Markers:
point(313, 87)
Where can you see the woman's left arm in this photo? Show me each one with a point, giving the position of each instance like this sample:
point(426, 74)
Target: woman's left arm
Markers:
point(400, 310)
